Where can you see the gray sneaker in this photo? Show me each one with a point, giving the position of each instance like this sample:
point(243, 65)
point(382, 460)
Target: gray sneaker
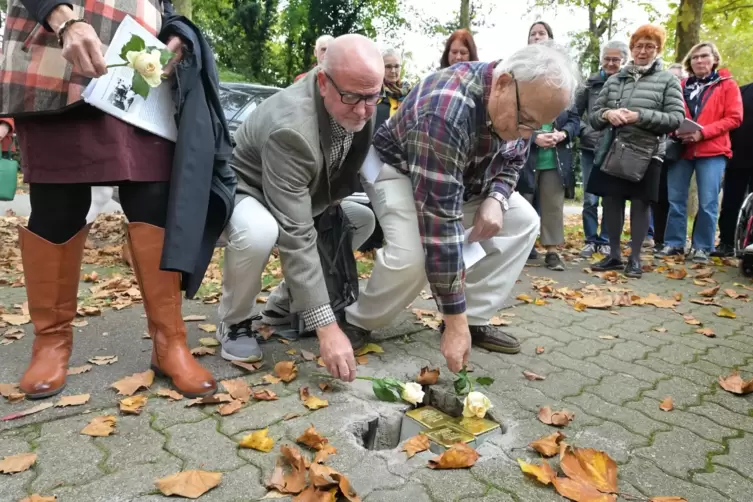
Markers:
point(669, 251)
point(605, 249)
point(588, 250)
point(239, 342)
point(700, 256)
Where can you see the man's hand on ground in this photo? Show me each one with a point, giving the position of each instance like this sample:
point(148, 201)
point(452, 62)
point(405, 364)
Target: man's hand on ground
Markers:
point(487, 222)
point(456, 342)
point(337, 352)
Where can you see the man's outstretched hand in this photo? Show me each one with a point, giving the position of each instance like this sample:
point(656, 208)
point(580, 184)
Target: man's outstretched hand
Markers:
point(337, 352)
point(456, 342)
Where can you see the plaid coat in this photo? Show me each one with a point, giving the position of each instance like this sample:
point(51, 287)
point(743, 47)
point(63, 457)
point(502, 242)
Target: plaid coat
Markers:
point(34, 77)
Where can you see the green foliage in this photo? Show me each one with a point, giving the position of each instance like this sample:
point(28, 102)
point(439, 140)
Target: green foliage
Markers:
point(463, 383)
point(139, 85)
point(135, 44)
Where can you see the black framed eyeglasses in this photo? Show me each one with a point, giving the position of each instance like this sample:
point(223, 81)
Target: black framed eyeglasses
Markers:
point(522, 126)
point(352, 98)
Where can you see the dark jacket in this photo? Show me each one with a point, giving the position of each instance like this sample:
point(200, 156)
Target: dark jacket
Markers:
point(584, 104)
point(202, 186)
point(568, 122)
point(742, 137)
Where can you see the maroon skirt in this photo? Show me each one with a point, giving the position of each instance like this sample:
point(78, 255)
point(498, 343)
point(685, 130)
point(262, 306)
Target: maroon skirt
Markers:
point(86, 145)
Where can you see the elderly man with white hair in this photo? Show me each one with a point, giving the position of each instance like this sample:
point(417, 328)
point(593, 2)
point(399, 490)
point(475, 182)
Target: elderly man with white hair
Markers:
point(443, 171)
point(320, 49)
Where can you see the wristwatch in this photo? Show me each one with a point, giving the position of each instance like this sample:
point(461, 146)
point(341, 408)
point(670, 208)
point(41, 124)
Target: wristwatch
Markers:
point(501, 199)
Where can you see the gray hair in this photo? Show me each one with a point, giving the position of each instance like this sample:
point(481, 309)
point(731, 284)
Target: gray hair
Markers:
point(619, 45)
point(321, 40)
point(546, 61)
point(392, 52)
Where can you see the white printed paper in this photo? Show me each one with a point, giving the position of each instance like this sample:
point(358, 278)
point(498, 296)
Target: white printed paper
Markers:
point(112, 92)
point(372, 166)
point(688, 126)
point(472, 251)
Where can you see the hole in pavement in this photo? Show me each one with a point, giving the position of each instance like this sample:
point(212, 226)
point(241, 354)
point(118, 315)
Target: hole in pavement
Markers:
point(384, 432)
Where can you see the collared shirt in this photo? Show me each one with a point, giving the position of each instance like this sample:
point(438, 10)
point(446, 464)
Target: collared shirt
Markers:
point(441, 137)
point(342, 140)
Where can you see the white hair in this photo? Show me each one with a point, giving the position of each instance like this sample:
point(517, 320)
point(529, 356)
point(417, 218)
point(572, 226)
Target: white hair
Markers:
point(546, 61)
point(391, 52)
point(619, 45)
point(321, 40)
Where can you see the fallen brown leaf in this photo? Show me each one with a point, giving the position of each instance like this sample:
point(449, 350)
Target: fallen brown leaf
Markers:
point(323, 454)
point(133, 405)
point(72, 400)
point(294, 481)
point(543, 473)
point(589, 466)
point(704, 273)
point(656, 301)
point(705, 301)
point(100, 426)
point(677, 297)
point(190, 484)
point(258, 440)
point(666, 405)
point(213, 399)
point(169, 393)
point(549, 445)
point(427, 376)
point(608, 337)
point(734, 294)
point(320, 362)
point(265, 330)
point(361, 360)
point(203, 351)
point(557, 418)
point(524, 298)
point(27, 412)
point(250, 367)
point(677, 273)
point(580, 491)
point(291, 352)
point(286, 370)
point(458, 456)
point(369, 348)
point(271, 379)
point(498, 321)
point(735, 384)
point(416, 444)
point(661, 330)
point(596, 302)
point(265, 395)
point(77, 370)
point(325, 387)
point(706, 332)
point(208, 328)
point(312, 439)
point(6, 389)
point(689, 319)
point(17, 463)
point(725, 312)
point(238, 389)
point(291, 416)
point(15, 319)
point(530, 375)
point(314, 494)
point(103, 360)
point(130, 384)
point(193, 318)
point(539, 350)
point(314, 403)
point(709, 292)
point(667, 499)
point(308, 356)
point(208, 342)
point(89, 311)
point(35, 497)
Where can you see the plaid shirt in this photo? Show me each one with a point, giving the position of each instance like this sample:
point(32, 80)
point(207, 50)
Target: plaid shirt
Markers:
point(34, 77)
point(441, 137)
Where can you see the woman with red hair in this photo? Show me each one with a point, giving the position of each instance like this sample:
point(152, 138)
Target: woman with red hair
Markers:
point(459, 47)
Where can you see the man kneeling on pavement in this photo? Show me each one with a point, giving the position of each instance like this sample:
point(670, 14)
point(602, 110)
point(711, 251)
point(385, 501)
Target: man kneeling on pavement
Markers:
point(448, 160)
point(298, 154)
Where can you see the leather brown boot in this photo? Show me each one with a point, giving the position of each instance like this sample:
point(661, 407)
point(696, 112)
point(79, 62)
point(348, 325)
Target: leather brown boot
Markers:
point(51, 272)
point(162, 302)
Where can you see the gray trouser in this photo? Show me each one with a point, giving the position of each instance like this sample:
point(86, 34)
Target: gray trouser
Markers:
point(552, 207)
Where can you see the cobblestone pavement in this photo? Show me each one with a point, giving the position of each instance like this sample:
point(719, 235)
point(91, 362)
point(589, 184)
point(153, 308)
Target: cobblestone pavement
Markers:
point(701, 450)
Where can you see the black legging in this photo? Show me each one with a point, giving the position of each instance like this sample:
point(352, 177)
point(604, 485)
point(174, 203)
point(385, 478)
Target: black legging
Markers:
point(58, 211)
point(614, 216)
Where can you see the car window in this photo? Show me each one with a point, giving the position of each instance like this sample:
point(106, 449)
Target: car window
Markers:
point(247, 110)
point(232, 102)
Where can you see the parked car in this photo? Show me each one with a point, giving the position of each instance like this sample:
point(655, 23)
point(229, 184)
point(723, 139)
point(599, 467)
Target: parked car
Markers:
point(240, 99)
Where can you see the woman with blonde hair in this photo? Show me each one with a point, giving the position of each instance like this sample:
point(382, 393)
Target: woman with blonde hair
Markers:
point(712, 99)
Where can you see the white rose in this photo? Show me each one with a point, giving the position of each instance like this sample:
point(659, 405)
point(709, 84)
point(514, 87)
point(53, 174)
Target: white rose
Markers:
point(476, 405)
point(147, 64)
point(412, 393)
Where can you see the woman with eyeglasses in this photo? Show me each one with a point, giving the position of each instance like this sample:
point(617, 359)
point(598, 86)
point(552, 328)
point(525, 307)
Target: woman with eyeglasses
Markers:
point(394, 90)
point(548, 174)
point(637, 106)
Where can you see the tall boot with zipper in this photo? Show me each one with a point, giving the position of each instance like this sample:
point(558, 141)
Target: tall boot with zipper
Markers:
point(51, 272)
point(162, 302)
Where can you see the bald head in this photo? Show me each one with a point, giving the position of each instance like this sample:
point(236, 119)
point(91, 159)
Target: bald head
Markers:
point(352, 71)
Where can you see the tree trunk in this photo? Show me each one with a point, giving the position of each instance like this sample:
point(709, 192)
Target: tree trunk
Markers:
point(465, 14)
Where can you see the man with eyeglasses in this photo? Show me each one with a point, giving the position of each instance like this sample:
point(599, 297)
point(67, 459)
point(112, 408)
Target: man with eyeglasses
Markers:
point(443, 171)
point(299, 153)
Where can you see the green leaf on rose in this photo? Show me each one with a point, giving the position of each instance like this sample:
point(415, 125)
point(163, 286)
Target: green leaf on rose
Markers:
point(136, 43)
point(165, 56)
point(461, 382)
point(139, 85)
point(384, 392)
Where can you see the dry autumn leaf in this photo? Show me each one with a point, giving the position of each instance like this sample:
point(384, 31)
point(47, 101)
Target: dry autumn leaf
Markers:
point(369, 348)
point(213, 399)
point(314, 494)
point(190, 484)
point(133, 405)
point(308, 356)
point(704, 273)
point(169, 393)
point(725, 312)
point(312, 439)
point(677, 273)
point(710, 292)
point(100, 426)
point(314, 403)
point(704, 301)
point(130, 384)
point(580, 491)
point(735, 384)
point(666, 405)
point(706, 332)
point(661, 330)
point(238, 389)
point(286, 370)
point(103, 360)
point(17, 463)
point(265, 330)
point(203, 351)
point(539, 350)
point(271, 379)
point(361, 360)
point(27, 412)
point(291, 352)
point(427, 376)
point(589, 466)
point(323, 454)
point(320, 362)
point(208, 342)
point(230, 408)
point(557, 418)
point(294, 481)
point(416, 444)
point(250, 367)
point(194, 318)
point(325, 387)
point(524, 298)
point(15, 319)
point(35, 497)
point(596, 302)
point(667, 499)
point(265, 395)
point(72, 400)
point(498, 321)
point(291, 416)
point(77, 370)
point(689, 319)
point(458, 456)
point(543, 473)
point(734, 294)
point(548, 446)
point(6, 389)
point(208, 328)
point(530, 375)
point(258, 440)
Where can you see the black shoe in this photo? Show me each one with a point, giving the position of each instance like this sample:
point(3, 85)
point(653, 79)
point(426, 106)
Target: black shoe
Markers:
point(492, 339)
point(633, 269)
point(554, 262)
point(357, 336)
point(724, 251)
point(533, 255)
point(607, 263)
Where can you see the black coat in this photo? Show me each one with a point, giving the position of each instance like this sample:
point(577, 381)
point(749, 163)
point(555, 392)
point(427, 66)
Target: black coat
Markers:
point(742, 137)
point(569, 122)
point(202, 185)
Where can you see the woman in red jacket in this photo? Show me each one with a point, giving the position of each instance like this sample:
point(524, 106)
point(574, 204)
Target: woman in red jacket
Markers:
point(712, 99)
